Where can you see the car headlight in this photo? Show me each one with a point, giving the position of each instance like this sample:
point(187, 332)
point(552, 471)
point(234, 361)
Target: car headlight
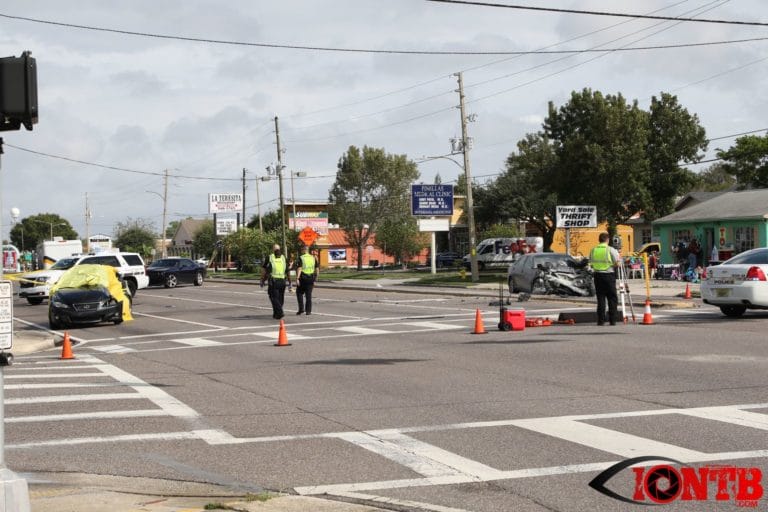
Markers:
point(60, 304)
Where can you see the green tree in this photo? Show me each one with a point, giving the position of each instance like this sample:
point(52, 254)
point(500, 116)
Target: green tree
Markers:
point(525, 192)
point(501, 231)
point(38, 228)
point(620, 158)
point(370, 186)
point(205, 239)
point(270, 221)
point(248, 245)
point(747, 160)
point(675, 136)
point(399, 236)
point(715, 178)
point(136, 235)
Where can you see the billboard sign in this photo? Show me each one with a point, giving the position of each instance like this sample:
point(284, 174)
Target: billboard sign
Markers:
point(226, 226)
point(432, 200)
point(225, 203)
point(576, 217)
point(318, 221)
point(6, 315)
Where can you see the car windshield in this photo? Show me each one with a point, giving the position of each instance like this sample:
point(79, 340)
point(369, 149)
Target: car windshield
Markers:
point(64, 264)
point(759, 257)
point(166, 263)
point(555, 260)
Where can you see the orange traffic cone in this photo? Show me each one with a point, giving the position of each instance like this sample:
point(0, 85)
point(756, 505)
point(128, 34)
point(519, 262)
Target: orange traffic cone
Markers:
point(282, 338)
point(647, 317)
point(479, 327)
point(687, 291)
point(66, 348)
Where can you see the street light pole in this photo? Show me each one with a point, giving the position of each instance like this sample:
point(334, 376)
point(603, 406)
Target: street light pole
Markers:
point(298, 174)
point(279, 170)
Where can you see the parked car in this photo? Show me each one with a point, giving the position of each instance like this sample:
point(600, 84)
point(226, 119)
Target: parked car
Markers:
point(88, 294)
point(446, 259)
point(36, 286)
point(738, 284)
point(171, 272)
point(129, 265)
point(523, 274)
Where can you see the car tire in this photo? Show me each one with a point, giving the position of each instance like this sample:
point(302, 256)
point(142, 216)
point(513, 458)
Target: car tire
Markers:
point(171, 281)
point(733, 310)
point(132, 287)
point(198, 279)
point(538, 287)
point(480, 266)
point(35, 300)
point(505, 326)
point(53, 324)
point(512, 288)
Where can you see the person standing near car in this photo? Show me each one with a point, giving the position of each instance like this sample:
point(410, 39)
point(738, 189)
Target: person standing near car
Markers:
point(604, 260)
point(274, 271)
point(307, 270)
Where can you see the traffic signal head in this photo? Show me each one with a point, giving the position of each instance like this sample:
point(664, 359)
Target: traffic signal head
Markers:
point(18, 92)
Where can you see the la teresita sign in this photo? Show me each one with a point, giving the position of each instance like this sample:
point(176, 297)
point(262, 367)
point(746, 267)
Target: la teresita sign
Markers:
point(576, 217)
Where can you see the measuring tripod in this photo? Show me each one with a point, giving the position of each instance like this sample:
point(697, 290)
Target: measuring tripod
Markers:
point(626, 298)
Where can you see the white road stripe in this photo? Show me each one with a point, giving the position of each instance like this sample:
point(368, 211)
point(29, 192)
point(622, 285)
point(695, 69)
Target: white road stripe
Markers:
point(434, 325)
point(273, 335)
point(179, 320)
point(102, 415)
point(72, 398)
point(167, 436)
point(599, 438)
point(731, 415)
point(198, 342)
point(113, 349)
point(60, 385)
point(361, 330)
point(421, 457)
point(54, 376)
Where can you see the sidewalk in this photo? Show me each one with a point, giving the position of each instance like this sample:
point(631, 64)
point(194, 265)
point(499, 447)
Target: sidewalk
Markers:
point(97, 493)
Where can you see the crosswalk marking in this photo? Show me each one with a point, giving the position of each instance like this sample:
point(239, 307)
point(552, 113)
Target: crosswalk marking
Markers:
point(53, 376)
point(72, 398)
point(197, 342)
point(732, 416)
point(607, 440)
point(433, 325)
point(102, 415)
point(273, 335)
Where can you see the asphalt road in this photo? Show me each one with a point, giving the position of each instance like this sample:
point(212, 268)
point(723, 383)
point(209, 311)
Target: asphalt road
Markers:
point(390, 395)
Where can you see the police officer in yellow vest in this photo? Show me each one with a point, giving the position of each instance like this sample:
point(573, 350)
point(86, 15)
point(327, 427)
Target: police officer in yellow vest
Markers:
point(274, 271)
point(604, 260)
point(306, 274)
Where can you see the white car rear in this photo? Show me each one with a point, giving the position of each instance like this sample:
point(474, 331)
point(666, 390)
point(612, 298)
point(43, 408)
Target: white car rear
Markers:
point(738, 284)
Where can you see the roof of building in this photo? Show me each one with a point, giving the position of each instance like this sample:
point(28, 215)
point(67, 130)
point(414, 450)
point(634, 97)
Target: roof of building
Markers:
point(696, 197)
point(745, 204)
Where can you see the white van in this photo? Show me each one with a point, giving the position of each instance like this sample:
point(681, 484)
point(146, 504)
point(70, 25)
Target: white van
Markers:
point(500, 252)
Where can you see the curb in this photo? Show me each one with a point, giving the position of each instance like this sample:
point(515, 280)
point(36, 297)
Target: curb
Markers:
point(26, 342)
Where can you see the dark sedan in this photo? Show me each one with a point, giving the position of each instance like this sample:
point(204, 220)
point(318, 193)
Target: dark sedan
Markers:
point(89, 294)
point(171, 272)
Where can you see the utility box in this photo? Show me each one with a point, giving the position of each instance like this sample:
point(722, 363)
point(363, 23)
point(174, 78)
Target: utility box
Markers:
point(18, 92)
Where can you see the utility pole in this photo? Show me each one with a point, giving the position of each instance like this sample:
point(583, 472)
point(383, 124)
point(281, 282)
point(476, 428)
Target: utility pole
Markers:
point(467, 174)
point(165, 212)
point(280, 178)
point(244, 197)
point(87, 226)
point(258, 203)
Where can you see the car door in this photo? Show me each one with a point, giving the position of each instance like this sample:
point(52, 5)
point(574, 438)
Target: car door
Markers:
point(519, 273)
point(187, 271)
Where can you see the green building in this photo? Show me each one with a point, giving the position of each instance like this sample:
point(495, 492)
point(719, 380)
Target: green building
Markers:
point(733, 222)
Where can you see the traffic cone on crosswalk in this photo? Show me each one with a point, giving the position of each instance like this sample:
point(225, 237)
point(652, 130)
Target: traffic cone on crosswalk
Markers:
point(66, 347)
point(687, 291)
point(282, 338)
point(479, 327)
point(647, 317)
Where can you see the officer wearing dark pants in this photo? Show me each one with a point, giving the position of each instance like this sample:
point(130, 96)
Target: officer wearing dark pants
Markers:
point(604, 260)
point(274, 271)
point(306, 274)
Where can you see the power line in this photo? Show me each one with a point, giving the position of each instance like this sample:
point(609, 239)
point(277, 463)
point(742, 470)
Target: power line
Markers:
point(393, 51)
point(114, 168)
point(600, 13)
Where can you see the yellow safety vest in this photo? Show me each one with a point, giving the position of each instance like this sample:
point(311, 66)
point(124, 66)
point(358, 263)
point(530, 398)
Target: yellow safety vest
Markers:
point(600, 259)
point(278, 266)
point(307, 264)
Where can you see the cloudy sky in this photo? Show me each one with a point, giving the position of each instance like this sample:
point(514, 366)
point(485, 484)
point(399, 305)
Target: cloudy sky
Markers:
point(206, 110)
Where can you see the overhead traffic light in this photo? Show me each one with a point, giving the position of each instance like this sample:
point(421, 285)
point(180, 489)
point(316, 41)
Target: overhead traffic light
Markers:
point(18, 92)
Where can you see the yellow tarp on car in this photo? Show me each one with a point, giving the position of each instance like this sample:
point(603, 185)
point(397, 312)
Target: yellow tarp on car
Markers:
point(88, 276)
